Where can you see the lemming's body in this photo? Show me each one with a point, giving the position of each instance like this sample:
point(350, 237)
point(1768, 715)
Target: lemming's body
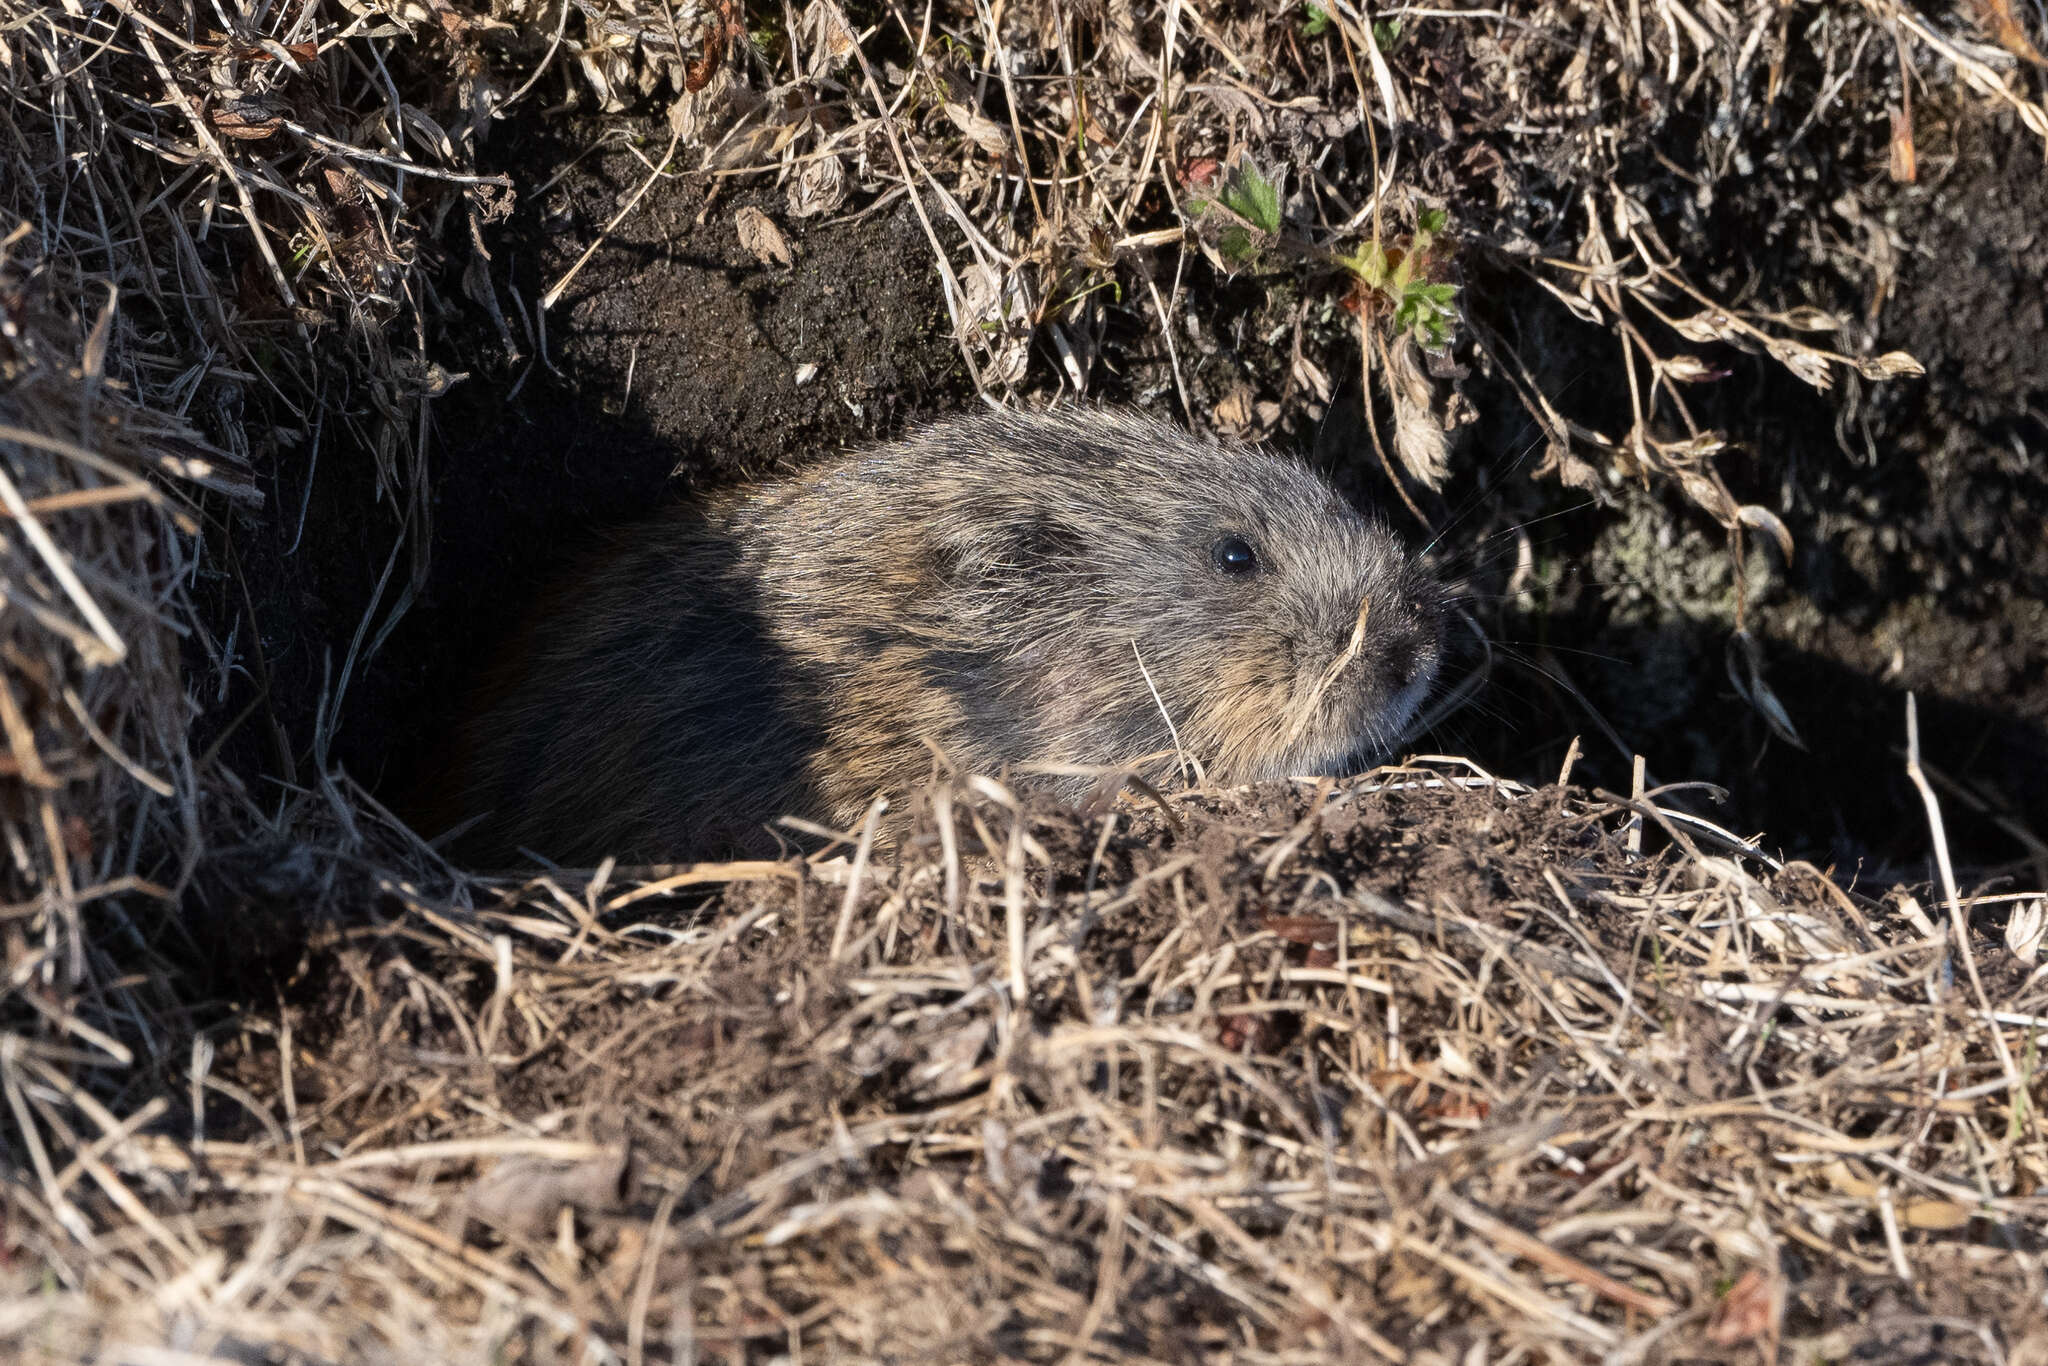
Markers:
point(1008, 588)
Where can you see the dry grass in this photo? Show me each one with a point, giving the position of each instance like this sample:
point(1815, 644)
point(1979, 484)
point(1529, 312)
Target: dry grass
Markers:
point(1425, 1067)
point(1406, 1069)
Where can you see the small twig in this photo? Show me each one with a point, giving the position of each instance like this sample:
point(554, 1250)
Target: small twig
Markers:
point(1958, 922)
point(548, 299)
point(355, 153)
point(854, 879)
point(212, 145)
point(547, 60)
point(1180, 753)
point(954, 296)
point(113, 649)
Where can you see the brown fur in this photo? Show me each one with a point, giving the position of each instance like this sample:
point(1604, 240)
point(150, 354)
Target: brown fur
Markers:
point(990, 585)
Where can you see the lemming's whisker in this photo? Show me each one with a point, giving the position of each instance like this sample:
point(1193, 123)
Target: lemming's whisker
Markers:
point(1479, 496)
point(1506, 647)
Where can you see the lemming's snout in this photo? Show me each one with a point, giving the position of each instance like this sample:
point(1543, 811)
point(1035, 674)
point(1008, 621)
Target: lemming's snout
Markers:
point(1409, 653)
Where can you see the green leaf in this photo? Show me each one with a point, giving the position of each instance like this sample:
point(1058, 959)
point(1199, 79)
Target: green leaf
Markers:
point(1432, 221)
point(1369, 264)
point(1425, 311)
point(1254, 198)
point(1386, 34)
point(1317, 23)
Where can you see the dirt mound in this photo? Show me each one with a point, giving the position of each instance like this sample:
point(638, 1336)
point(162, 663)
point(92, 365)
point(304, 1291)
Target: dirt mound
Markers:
point(1402, 1069)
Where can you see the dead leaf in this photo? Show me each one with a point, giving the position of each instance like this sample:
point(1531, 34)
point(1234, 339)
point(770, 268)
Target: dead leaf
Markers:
point(819, 188)
point(984, 133)
point(247, 120)
point(1905, 165)
point(995, 313)
point(1944, 1216)
point(1567, 468)
point(759, 235)
point(2023, 930)
point(1705, 493)
point(1709, 324)
point(1240, 1031)
point(1891, 365)
point(1745, 663)
point(1690, 370)
point(304, 55)
point(1998, 20)
point(1234, 412)
point(946, 1064)
point(830, 39)
point(1803, 361)
point(721, 30)
point(1310, 377)
point(752, 146)
point(1694, 449)
point(1763, 519)
point(1751, 1312)
point(1420, 442)
point(526, 1194)
point(1808, 319)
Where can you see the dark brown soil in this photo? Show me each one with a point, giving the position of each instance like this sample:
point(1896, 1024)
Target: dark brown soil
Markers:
point(1924, 561)
point(1919, 511)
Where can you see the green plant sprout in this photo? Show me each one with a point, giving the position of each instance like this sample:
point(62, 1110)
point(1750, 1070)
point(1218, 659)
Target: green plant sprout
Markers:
point(1386, 33)
point(1252, 198)
point(1397, 279)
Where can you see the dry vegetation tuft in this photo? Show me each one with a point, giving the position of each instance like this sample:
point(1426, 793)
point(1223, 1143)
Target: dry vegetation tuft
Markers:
point(1421, 1067)
point(1406, 1069)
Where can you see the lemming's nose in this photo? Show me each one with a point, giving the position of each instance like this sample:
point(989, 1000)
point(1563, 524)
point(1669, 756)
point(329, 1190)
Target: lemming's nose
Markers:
point(1401, 662)
point(1408, 652)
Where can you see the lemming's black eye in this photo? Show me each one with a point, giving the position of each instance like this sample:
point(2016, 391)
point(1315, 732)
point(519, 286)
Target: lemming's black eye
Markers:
point(1234, 556)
